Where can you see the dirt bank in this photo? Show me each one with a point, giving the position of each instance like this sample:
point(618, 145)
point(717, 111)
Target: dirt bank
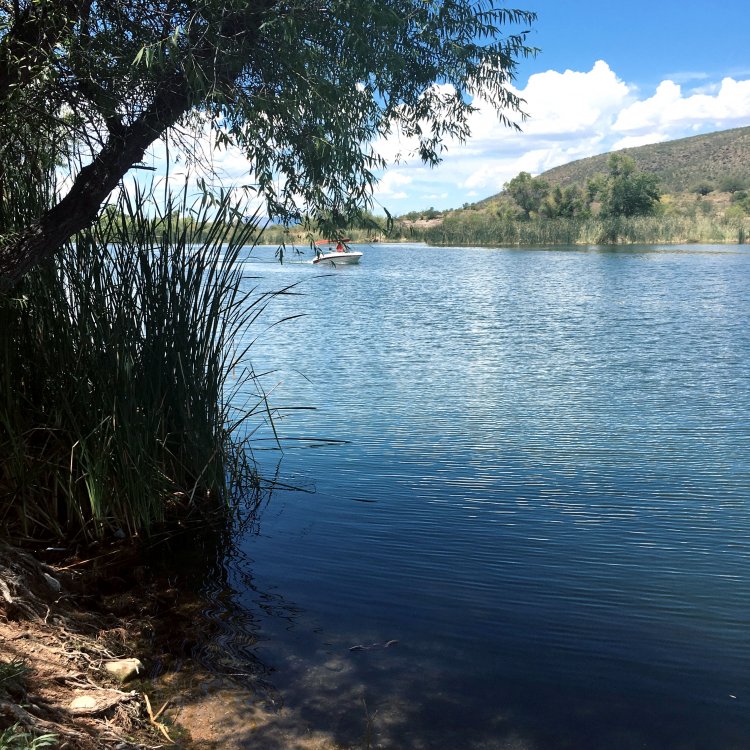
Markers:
point(61, 624)
point(64, 617)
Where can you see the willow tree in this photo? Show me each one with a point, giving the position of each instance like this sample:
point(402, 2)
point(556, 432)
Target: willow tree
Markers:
point(302, 87)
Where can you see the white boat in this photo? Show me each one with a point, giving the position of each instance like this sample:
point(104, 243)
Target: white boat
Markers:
point(341, 255)
point(343, 258)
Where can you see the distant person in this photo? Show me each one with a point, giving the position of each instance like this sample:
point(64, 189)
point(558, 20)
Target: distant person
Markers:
point(339, 248)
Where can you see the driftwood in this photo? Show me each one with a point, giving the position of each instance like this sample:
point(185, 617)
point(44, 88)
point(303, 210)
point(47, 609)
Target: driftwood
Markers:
point(94, 702)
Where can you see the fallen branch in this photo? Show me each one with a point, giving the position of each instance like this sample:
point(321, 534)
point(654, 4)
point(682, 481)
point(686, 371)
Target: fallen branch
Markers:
point(153, 717)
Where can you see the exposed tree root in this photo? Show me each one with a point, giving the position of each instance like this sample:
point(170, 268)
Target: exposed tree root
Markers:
point(52, 679)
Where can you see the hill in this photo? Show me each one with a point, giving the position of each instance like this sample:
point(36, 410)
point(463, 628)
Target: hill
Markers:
point(703, 181)
point(680, 165)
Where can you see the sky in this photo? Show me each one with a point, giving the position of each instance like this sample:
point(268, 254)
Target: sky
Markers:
point(607, 76)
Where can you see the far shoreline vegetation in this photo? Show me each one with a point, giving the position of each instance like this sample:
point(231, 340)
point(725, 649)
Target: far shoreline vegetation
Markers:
point(479, 230)
point(690, 191)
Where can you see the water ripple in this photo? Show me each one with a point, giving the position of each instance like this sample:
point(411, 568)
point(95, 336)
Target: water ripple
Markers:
point(544, 489)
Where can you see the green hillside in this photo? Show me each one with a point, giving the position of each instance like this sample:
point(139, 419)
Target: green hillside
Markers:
point(703, 181)
point(680, 165)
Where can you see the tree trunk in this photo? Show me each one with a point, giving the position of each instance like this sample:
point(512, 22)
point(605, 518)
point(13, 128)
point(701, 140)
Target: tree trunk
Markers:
point(26, 249)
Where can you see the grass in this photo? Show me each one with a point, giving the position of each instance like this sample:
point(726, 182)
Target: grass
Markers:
point(16, 738)
point(481, 228)
point(120, 362)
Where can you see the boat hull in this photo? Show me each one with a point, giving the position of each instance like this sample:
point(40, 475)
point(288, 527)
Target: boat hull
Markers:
point(338, 259)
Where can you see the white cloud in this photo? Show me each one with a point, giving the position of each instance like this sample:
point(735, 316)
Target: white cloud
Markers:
point(671, 111)
point(686, 76)
point(573, 115)
point(574, 102)
point(570, 114)
point(391, 185)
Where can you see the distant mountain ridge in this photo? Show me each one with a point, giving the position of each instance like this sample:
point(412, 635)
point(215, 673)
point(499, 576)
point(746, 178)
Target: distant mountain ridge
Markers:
point(680, 165)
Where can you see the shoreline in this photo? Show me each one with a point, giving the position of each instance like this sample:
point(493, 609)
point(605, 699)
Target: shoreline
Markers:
point(65, 621)
point(61, 624)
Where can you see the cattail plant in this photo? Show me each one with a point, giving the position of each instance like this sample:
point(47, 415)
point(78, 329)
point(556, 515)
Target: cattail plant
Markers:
point(121, 362)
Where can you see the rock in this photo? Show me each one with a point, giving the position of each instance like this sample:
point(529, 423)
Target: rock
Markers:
point(124, 669)
point(84, 704)
point(53, 583)
point(90, 704)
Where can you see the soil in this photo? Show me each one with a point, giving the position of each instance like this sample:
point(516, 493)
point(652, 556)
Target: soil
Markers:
point(62, 620)
point(60, 623)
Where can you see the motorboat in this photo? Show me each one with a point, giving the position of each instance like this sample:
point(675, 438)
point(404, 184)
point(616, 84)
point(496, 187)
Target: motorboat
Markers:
point(337, 253)
point(342, 258)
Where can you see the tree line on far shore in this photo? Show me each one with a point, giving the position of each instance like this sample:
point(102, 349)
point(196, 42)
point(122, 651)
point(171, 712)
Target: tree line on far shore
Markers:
point(624, 205)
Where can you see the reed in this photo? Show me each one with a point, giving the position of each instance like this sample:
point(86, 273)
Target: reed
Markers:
point(484, 229)
point(121, 363)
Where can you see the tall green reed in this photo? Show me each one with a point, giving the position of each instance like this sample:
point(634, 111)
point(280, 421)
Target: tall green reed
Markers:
point(121, 362)
point(477, 228)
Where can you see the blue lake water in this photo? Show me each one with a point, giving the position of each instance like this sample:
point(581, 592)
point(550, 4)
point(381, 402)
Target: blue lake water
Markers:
point(542, 492)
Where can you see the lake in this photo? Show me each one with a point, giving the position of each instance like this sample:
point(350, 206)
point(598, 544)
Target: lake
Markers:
point(531, 469)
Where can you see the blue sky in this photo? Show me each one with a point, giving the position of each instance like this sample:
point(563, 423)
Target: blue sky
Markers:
point(644, 42)
point(608, 76)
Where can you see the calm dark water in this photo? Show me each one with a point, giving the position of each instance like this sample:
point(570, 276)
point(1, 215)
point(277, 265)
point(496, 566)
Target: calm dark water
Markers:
point(544, 497)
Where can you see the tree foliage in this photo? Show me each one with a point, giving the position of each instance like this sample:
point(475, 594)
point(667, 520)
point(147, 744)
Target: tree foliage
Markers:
point(528, 192)
point(741, 199)
point(564, 203)
point(302, 88)
point(732, 183)
point(626, 191)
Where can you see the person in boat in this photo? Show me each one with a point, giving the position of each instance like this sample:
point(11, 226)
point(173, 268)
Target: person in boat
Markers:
point(339, 248)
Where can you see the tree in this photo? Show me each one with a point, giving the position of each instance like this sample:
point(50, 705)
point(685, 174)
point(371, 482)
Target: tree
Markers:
point(564, 203)
point(626, 191)
point(528, 192)
point(732, 183)
point(303, 88)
